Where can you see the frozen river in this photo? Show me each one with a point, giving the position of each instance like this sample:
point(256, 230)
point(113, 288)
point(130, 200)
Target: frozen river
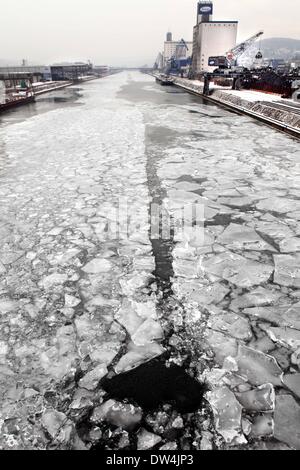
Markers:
point(89, 288)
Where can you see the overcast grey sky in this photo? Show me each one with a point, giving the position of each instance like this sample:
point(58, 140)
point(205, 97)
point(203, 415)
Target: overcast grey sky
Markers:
point(120, 32)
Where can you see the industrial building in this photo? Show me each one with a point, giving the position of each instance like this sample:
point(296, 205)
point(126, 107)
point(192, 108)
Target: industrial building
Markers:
point(14, 80)
point(170, 48)
point(38, 72)
point(55, 72)
point(211, 38)
point(67, 71)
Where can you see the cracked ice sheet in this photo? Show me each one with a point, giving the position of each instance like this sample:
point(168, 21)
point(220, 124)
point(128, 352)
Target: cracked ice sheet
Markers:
point(236, 269)
point(234, 177)
point(244, 171)
point(232, 157)
point(61, 170)
point(241, 237)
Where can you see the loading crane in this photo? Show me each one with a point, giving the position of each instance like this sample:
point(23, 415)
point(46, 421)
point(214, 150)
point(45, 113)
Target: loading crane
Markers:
point(181, 50)
point(179, 60)
point(230, 60)
point(159, 62)
point(236, 52)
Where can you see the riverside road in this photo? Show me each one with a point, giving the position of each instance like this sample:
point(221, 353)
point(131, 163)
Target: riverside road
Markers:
point(87, 294)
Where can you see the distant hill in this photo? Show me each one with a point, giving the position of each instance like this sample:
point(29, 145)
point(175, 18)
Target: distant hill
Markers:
point(280, 48)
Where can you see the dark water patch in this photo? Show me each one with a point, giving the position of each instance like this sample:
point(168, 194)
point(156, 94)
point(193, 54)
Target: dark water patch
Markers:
point(191, 179)
point(175, 91)
point(66, 97)
point(57, 100)
point(269, 240)
point(224, 220)
point(259, 172)
point(199, 191)
point(246, 208)
point(293, 197)
point(160, 138)
point(200, 180)
point(153, 384)
point(211, 116)
point(163, 265)
point(157, 139)
point(139, 92)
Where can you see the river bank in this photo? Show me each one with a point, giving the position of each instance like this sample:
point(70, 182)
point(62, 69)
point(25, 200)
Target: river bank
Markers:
point(270, 109)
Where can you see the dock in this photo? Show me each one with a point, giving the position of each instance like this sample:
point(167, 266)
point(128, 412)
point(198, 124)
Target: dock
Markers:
point(271, 109)
point(16, 103)
point(42, 88)
point(38, 89)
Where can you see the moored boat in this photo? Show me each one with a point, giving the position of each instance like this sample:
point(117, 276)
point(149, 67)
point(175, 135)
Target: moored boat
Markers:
point(16, 97)
point(165, 80)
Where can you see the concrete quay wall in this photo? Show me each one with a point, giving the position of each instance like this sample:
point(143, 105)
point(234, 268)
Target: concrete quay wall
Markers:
point(287, 120)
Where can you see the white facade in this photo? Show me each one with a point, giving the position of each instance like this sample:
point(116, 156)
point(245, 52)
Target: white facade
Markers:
point(170, 49)
point(213, 38)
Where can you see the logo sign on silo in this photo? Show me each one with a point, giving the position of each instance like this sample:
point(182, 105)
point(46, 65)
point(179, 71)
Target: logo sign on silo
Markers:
point(205, 8)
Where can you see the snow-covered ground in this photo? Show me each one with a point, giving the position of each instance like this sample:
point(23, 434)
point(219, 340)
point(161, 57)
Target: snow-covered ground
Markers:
point(249, 95)
point(254, 96)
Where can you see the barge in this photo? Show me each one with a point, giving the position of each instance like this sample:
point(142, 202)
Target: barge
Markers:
point(165, 80)
point(10, 104)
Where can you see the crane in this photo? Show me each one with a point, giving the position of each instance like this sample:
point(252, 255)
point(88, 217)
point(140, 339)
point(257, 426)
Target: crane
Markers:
point(237, 51)
point(181, 50)
point(179, 59)
point(230, 60)
point(159, 62)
